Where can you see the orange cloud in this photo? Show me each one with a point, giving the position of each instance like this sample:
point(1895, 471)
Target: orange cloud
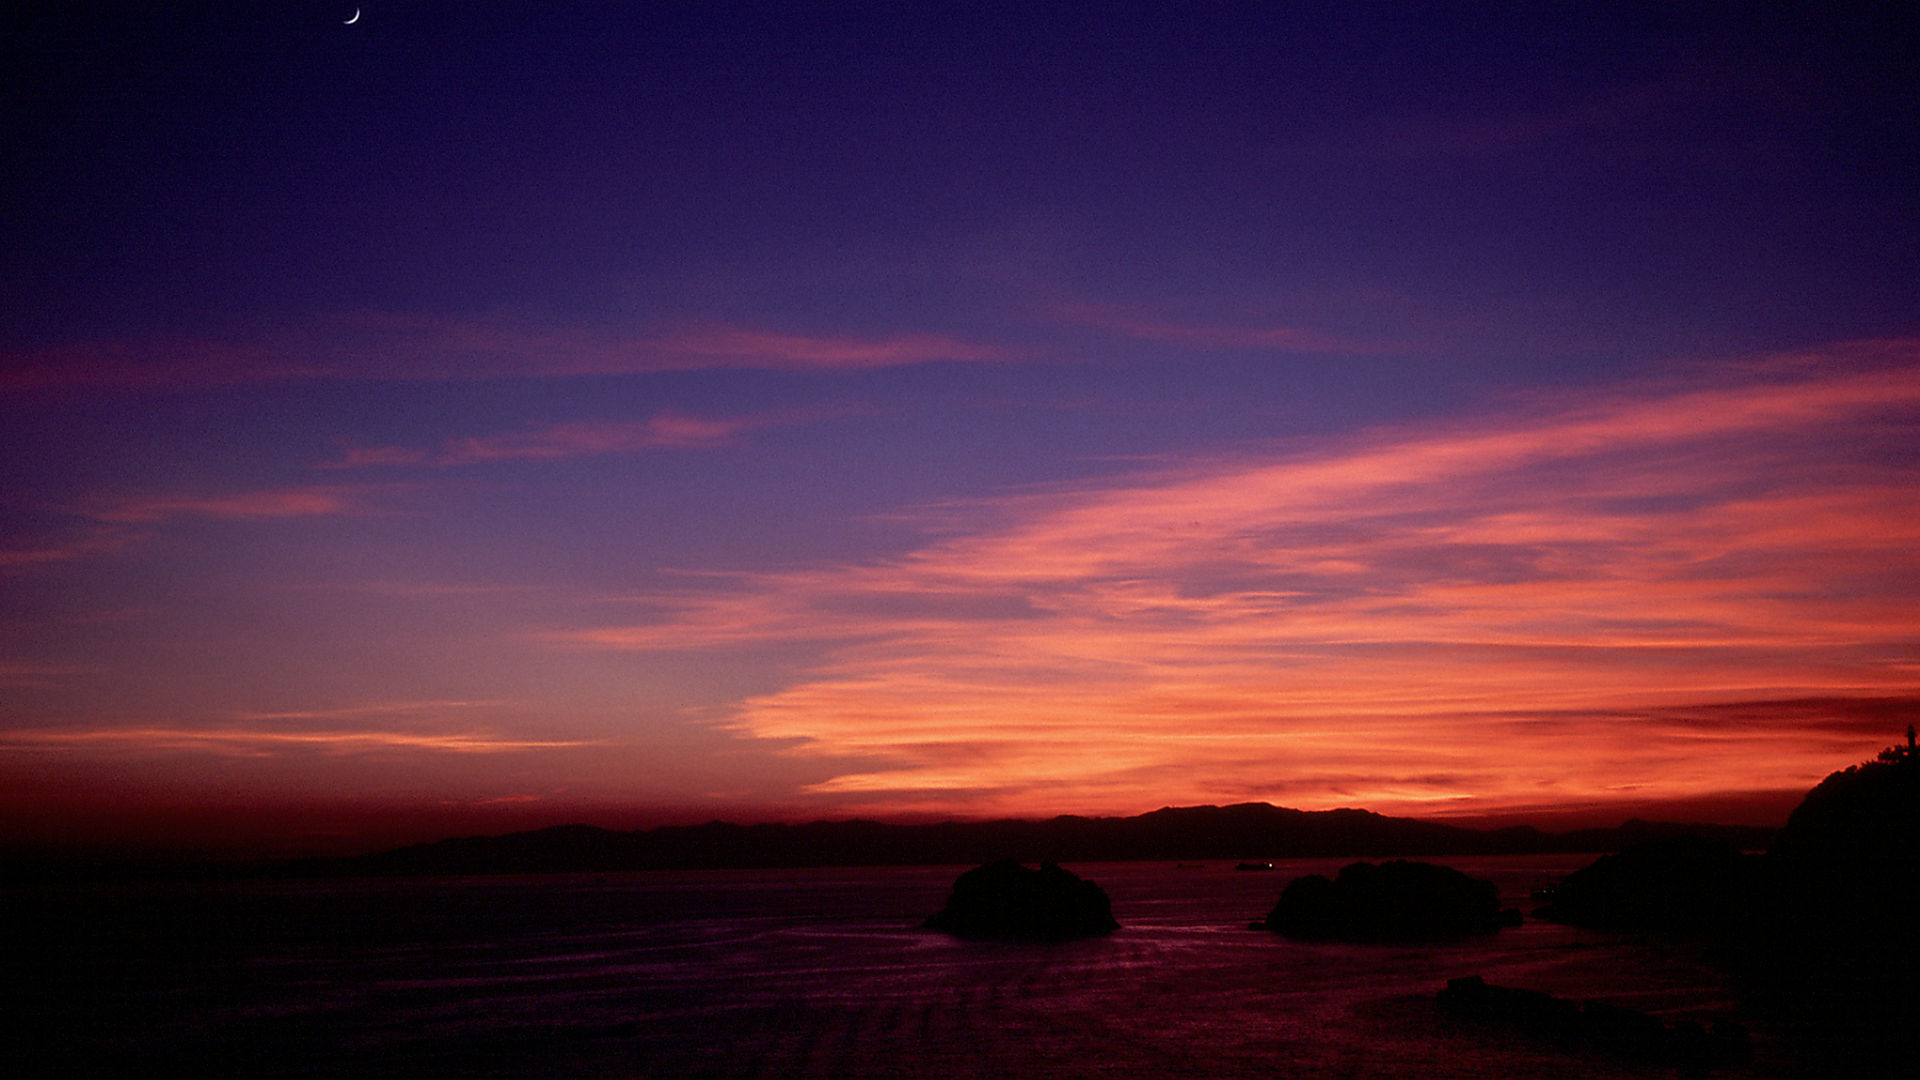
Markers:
point(1584, 603)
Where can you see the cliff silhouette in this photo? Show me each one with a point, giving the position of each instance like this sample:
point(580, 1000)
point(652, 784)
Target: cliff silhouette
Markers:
point(1819, 929)
point(1685, 884)
point(1828, 941)
point(1618, 1031)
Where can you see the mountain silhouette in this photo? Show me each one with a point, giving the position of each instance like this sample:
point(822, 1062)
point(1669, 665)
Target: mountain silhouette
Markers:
point(1243, 831)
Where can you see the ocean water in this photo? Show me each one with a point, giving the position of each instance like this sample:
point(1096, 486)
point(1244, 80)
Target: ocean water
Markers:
point(794, 973)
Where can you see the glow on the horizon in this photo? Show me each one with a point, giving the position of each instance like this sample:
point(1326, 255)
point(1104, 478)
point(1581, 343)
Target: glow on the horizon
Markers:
point(1680, 592)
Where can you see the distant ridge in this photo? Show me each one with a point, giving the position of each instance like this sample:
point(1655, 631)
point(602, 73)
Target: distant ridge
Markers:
point(1239, 832)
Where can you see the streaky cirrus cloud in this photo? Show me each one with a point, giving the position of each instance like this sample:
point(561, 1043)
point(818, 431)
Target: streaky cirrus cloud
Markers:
point(263, 742)
point(1594, 599)
point(116, 523)
point(366, 709)
point(571, 439)
point(374, 346)
point(315, 500)
point(20, 674)
point(1130, 322)
point(98, 540)
point(438, 726)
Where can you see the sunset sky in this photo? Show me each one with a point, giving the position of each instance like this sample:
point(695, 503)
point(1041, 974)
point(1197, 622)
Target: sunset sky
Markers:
point(488, 415)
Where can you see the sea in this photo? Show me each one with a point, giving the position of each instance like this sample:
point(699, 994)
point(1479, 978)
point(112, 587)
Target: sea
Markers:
point(791, 974)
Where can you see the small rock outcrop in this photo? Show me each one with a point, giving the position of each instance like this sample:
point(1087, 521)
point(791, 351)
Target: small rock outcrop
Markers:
point(1683, 885)
point(1616, 1030)
point(1395, 901)
point(1008, 901)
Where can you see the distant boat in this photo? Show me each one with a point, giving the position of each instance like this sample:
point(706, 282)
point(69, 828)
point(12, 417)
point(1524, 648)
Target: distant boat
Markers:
point(1254, 866)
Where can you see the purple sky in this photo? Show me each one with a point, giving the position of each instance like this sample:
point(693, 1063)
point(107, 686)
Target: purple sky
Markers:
point(487, 414)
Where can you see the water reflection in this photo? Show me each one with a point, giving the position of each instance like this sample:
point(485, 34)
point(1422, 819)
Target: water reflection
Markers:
point(813, 973)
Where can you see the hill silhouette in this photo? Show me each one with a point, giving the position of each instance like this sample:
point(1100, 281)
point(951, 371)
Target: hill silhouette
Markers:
point(1243, 831)
point(1683, 884)
point(1819, 929)
point(1829, 941)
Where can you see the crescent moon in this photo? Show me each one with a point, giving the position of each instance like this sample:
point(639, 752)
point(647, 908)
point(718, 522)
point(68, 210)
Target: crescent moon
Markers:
point(355, 19)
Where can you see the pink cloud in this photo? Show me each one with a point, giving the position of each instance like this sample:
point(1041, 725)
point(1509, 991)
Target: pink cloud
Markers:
point(1117, 320)
point(379, 346)
point(566, 440)
point(18, 674)
point(94, 542)
point(750, 348)
point(258, 742)
point(390, 346)
point(158, 363)
point(1563, 603)
point(315, 501)
point(430, 726)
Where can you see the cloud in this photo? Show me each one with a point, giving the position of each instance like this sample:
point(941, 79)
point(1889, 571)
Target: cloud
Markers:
point(19, 674)
point(418, 347)
point(555, 442)
point(383, 347)
point(729, 346)
point(161, 363)
point(379, 727)
point(1130, 323)
point(422, 590)
point(266, 742)
point(1684, 588)
point(94, 541)
point(382, 708)
point(307, 501)
point(120, 522)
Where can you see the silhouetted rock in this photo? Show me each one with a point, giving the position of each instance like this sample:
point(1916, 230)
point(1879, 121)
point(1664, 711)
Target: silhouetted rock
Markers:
point(1819, 929)
point(1829, 943)
point(1395, 901)
point(1008, 900)
point(1861, 825)
point(1533, 1011)
point(1598, 1026)
point(1680, 885)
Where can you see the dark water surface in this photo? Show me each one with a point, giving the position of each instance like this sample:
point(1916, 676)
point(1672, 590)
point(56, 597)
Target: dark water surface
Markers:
point(792, 973)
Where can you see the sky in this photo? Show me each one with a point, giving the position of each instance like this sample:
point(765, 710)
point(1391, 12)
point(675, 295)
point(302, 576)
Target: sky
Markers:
point(484, 415)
